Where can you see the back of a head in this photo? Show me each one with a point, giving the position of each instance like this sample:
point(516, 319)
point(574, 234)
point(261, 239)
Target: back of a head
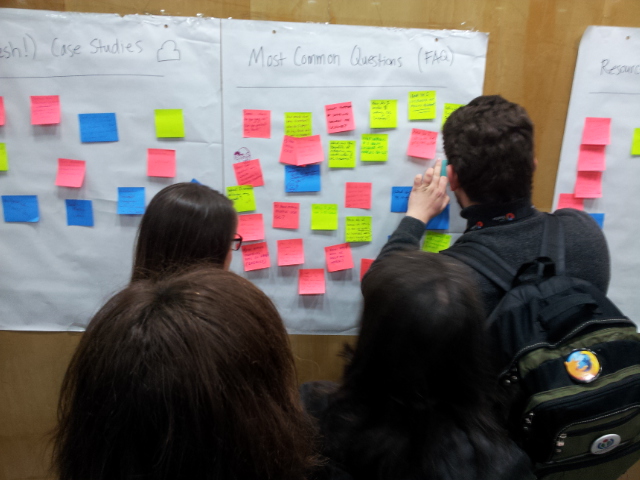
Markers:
point(184, 224)
point(489, 144)
point(188, 377)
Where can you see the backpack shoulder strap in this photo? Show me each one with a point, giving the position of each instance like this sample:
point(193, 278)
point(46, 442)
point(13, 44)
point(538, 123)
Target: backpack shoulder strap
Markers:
point(485, 261)
point(553, 242)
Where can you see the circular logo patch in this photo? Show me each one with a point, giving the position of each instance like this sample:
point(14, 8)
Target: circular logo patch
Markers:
point(605, 444)
point(510, 216)
point(583, 366)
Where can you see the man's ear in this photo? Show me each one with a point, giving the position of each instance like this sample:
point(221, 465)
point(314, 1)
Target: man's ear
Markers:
point(453, 178)
point(535, 163)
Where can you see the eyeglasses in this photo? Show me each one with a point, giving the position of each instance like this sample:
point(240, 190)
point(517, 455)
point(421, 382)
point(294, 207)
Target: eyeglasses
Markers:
point(236, 242)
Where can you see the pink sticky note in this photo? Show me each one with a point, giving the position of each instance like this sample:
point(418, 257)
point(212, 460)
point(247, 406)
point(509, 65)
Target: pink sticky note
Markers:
point(591, 158)
point(45, 110)
point(290, 252)
point(251, 227)
point(161, 163)
point(338, 257)
point(308, 150)
point(256, 124)
point(357, 195)
point(255, 256)
point(596, 131)
point(286, 215)
point(249, 173)
point(2, 116)
point(568, 200)
point(70, 173)
point(311, 281)
point(588, 185)
point(422, 143)
point(288, 152)
point(365, 263)
point(339, 117)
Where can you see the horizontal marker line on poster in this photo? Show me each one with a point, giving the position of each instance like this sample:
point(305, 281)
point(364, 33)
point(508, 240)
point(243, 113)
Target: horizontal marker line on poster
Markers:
point(348, 86)
point(92, 75)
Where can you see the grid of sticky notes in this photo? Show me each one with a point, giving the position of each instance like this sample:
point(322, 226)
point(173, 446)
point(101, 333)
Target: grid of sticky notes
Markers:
point(94, 129)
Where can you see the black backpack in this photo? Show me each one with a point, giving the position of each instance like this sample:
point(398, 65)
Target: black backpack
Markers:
point(569, 363)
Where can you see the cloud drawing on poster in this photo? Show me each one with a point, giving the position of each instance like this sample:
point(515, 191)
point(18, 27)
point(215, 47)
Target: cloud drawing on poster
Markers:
point(168, 52)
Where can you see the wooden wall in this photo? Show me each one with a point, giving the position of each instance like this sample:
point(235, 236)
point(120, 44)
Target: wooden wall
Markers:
point(532, 53)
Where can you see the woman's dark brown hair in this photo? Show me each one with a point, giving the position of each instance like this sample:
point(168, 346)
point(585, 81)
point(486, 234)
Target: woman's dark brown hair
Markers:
point(190, 377)
point(185, 224)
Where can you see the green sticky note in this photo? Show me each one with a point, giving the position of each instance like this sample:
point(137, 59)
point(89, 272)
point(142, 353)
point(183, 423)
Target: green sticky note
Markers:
point(324, 216)
point(169, 123)
point(449, 108)
point(434, 242)
point(243, 198)
point(342, 154)
point(297, 124)
point(383, 113)
point(358, 229)
point(635, 144)
point(374, 147)
point(4, 160)
point(422, 105)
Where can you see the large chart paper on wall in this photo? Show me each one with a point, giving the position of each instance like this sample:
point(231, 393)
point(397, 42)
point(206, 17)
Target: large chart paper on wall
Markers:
point(301, 68)
point(55, 276)
point(607, 85)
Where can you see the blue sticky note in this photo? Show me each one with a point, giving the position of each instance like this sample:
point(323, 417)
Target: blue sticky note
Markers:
point(79, 212)
point(193, 180)
point(130, 200)
point(441, 222)
point(443, 171)
point(20, 208)
point(302, 179)
point(599, 218)
point(98, 127)
point(400, 199)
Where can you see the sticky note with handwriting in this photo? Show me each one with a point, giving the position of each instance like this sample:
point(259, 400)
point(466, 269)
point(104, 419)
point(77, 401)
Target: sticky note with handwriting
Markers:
point(422, 143)
point(342, 154)
point(358, 229)
point(288, 151)
point(568, 200)
point(297, 124)
point(290, 252)
point(357, 195)
point(400, 199)
point(591, 158)
point(255, 256)
point(302, 179)
point(435, 242)
point(383, 114)
point(161, 163)
point(635, 142)
point(249, 173)
point(308, 150)
point(256, 123)
point(422, 105)
point(374, 147)
point(2, 113)
point(4, 158)
point(286, 215)
point(169, 123)
point(339, 117)
point(599, 218)
point(440, 221)
point(251, 227)
point(20, 208)
point(98, 127)
point(70, 173)
point(588, 185)
point(242, 197)
point(311, 281)
point(45, 110)
point(449, 108)
point(597, 131)
point(79, 213)
point(365, 264)
point(324, 216)
point(338, 257)
point(130, 200)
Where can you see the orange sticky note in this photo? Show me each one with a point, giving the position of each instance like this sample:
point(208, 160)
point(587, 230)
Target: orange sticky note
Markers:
point(591, 158)
point(288, 151)
point(249, 173)
point(422, 143)
point(568, 200)
point(339, 117)
point(2, 116)
point(251, 227)
point(255, 256)
point(365, 263)
point(161, 163)
point(45, 110)
point(308, 150)
point(290, 252)
point(70, 173)
point(596, 131)
point(286, 215)
point(256, 123)
point(311, 281)
point(588, 185)
point(357, 195)
point(338, 257)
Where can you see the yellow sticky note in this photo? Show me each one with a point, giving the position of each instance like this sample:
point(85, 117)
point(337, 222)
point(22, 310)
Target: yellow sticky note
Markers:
point(342, 154)
point(422, 105)
point(169, 123)
point(635, 144)
point(434, 242)
point(383, 113)
point(297, 124)
point(4, 160)
point(324, 216)
point(449, 108)
point(243, 198)
point(358, 229)
point(374, 147)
